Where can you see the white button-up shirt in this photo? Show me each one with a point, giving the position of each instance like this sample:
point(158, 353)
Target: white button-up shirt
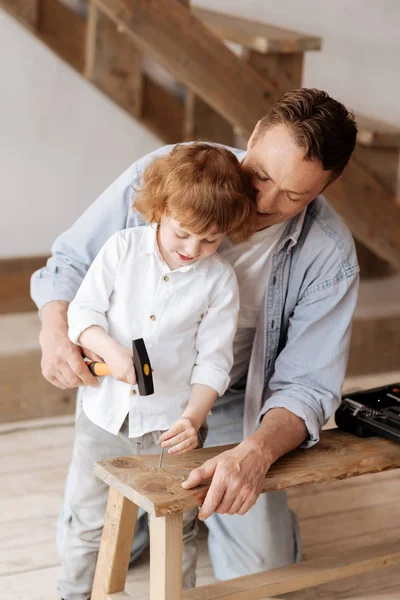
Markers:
point(187, 318)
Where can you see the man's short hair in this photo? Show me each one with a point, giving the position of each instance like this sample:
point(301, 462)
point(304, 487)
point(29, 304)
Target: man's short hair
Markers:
point(321, 125)
point(200, 185)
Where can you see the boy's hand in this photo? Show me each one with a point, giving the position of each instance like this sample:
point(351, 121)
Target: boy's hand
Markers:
point(182, 435)
point(120, 360)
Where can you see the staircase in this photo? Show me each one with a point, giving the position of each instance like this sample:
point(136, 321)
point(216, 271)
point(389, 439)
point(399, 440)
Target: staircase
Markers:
point(226, 71)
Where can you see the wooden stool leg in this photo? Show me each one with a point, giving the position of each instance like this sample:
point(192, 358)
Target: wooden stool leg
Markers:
point(166, 557)
point(116, 542)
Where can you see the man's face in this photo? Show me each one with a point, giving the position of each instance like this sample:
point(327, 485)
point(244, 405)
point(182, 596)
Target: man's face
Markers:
point(286, 182)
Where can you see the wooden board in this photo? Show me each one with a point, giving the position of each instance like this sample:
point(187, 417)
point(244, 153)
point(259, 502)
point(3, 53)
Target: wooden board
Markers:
point(299, 576)
point(26, 11)
point(162, 113)
point(319, 509)
point(204, 123)
point(337, 456)
point(256, 35)
point(166, 557)
point(373, 132)
point(285, 71)
point(113, 63)
point(368, 209)
point(194, 55)
point(15, 275)
point(370, 265)
point(116, 543)
point(24, 393)
point(62, 30)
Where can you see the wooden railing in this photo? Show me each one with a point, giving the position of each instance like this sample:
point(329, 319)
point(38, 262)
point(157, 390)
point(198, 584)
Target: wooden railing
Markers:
point(224, 91)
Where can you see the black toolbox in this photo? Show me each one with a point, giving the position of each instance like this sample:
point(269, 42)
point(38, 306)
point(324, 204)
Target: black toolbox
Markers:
point(371, 412)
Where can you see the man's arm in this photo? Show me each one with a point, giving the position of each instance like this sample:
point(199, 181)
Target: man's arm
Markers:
point(303, 392)
point(55, 286)
point(245, 466)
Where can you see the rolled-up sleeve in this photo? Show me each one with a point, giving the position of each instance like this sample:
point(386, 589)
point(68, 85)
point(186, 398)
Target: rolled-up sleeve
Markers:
point(214, 342)
point(310, 370)
point(92, 300)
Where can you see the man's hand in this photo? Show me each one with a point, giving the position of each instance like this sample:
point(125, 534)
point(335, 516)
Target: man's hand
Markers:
point(238, 475)
point(180, 437)
point(237, 479)
point(62, 361)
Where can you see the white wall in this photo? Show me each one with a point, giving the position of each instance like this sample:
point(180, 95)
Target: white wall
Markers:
point(62, 142)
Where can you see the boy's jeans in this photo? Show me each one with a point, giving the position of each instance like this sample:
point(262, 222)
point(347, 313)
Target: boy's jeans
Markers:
point(85, 504)
point(265, 538)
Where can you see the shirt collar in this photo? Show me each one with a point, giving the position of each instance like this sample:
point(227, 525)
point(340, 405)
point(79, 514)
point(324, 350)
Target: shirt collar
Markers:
point(148, 245)
point(292, 231)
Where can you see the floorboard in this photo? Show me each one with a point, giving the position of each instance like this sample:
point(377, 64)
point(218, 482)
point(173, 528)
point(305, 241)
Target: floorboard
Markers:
point(33, 466)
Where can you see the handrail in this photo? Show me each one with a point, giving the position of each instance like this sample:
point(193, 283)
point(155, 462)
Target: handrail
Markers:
point(171, 34)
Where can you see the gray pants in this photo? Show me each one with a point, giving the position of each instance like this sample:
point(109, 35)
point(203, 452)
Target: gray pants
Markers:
point(265, 538)
point(87, 501)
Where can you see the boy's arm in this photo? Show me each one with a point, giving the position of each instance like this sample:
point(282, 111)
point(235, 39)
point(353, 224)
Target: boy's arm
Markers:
point(182, 435)
point(210, 376)
point(216, 332)
point(118, 357)
point(200, 403)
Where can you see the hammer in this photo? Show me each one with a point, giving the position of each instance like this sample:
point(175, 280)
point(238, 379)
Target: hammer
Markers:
point(141, 363)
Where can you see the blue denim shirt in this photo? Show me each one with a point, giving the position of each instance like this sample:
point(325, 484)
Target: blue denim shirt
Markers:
point(302, 336)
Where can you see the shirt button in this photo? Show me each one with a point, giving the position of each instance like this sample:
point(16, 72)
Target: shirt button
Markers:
point(153, 317)
point(166, 278)
point(132, 392)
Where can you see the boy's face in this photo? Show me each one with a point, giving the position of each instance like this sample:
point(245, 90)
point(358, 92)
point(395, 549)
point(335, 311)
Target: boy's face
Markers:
point(180, 247)
point(286, 182)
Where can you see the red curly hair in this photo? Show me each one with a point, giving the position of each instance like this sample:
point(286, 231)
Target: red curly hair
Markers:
point(199, 185)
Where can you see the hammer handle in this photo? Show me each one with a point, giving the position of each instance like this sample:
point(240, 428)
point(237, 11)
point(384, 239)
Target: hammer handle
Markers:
point(99, 368)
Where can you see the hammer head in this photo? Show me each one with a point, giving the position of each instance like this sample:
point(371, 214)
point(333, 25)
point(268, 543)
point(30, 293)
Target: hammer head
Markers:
point(144, 373)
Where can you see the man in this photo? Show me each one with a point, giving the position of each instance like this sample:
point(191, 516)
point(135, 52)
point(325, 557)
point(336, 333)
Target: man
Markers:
point(298, 278)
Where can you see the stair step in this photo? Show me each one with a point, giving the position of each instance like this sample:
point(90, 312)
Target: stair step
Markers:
point(24, 393)
point(256, 35)
point(15, 275)
point(373, 132)
point(375, 341)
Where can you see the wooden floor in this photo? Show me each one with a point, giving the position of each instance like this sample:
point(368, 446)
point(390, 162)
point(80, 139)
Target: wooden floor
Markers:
point(33, 463)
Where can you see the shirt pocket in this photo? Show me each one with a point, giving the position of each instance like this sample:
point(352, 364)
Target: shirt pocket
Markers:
point(183, 314)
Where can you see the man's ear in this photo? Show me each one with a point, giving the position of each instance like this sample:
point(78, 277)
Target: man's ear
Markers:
point(254, 136)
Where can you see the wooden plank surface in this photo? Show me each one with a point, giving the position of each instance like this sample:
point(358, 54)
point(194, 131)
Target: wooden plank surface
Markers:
point(368, 209)
point(26, 11)
point(305, 574)
point(256, 35)
point(166, 557)
point(373, 132)
point(113, 63)
point(24, 392)
point(62, 30)
point(194, 55)
point(337, 456)
point(162, 113)
point(15, 275)
point(284, 70)
point(342, 515)
point(116, 543)
point(203, 123)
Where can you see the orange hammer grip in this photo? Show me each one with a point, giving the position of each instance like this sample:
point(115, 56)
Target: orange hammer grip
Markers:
point(99, 368)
